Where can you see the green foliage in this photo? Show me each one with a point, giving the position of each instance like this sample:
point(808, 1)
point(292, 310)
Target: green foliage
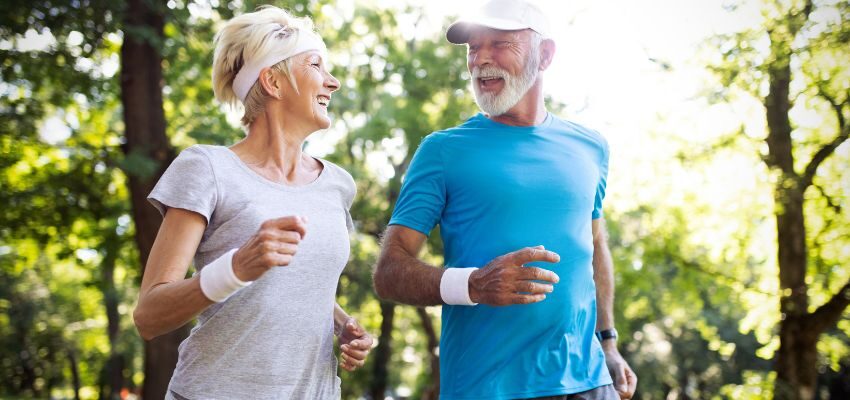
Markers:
point(680, 307)
point(810, 39)
point(697, 315)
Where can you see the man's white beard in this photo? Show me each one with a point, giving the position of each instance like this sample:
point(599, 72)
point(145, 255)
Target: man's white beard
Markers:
point(514, 89)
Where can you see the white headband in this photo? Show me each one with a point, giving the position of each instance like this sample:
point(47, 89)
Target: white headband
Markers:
point(304, 41)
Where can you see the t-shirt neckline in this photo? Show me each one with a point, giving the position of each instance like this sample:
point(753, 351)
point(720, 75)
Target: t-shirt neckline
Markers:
point(495, 124)
point(238, 161)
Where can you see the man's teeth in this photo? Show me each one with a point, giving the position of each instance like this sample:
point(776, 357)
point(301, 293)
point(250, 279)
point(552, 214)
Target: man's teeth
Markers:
point(323, 100)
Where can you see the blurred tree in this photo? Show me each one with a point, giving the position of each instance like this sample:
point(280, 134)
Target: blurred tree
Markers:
point(58, 79)
point(802, 65)
point(147, 145)
point(678, 307)
point(51, 189)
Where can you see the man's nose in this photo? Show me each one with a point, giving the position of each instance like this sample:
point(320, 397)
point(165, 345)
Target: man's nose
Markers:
point(482, 57)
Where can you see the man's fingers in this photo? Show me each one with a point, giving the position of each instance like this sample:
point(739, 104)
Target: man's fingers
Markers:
point(533, 287)
point(526, 299)
point(632, 381)
point(531, 254)
point(620, 381)
point(288, 223)
point(538, 274)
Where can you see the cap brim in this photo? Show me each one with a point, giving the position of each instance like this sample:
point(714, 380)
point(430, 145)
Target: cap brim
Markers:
point(458, 32)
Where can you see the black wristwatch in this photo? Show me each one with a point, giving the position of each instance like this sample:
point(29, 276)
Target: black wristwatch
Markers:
point(606, 334)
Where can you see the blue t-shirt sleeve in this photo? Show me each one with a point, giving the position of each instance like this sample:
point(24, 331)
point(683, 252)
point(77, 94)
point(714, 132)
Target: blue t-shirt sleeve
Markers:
point(423, 193)
point(603, 180)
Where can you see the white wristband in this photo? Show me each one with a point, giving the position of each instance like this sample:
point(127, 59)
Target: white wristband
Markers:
point(454, 286)
point(218, 281)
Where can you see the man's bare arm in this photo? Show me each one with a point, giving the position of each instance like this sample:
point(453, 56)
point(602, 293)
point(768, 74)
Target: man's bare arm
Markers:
point(400, 275)
point(625, 379)
point(505, 280)
point(603, 276)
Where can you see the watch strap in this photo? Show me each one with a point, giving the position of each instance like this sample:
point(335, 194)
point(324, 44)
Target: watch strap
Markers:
point(606, 334)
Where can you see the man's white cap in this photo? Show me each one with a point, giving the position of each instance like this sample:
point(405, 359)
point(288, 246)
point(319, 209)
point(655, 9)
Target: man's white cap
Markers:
point(504, 15)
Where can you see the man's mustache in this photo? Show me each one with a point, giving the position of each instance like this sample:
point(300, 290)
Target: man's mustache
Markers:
point(489, 72)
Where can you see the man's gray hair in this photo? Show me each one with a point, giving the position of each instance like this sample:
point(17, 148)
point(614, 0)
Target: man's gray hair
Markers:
point(536, 39)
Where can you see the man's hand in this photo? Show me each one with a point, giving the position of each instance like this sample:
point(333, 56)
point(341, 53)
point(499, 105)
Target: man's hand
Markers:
point(506, 281)
point(355, 345)
point(625, 380)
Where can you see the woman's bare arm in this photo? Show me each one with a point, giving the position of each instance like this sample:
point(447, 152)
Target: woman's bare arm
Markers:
point(167, 300)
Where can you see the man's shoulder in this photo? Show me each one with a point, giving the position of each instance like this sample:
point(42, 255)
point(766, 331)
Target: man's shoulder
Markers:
point(469, 123)
point(436, 137)
point(575, 128)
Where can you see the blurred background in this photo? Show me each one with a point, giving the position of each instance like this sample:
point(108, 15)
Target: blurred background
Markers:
point(727, 201)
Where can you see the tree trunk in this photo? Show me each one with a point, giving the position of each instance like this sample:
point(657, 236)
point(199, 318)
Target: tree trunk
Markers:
point(378, 386)
point(75, 373)
point(144, 121)
point(799, 330)
point(796, 372)
point(114, 368)
point(27, 382)
point(796, 360)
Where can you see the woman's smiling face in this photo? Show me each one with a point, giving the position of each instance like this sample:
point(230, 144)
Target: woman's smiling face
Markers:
point(309, 106)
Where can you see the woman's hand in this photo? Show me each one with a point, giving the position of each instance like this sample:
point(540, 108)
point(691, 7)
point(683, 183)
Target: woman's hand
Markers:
point(274, 245)
point(355, 344)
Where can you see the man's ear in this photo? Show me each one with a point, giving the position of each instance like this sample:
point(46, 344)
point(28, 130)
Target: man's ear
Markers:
point(271, 85)
point(547, 53)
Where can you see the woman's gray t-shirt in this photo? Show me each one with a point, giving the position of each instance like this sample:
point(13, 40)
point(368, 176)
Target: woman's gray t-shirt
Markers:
point(274, 338)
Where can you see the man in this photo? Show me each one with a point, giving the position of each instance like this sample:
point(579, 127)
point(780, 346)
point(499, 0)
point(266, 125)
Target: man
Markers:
point(517, 193)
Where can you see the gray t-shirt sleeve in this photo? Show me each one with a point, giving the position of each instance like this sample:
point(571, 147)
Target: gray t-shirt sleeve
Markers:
point(188, 183)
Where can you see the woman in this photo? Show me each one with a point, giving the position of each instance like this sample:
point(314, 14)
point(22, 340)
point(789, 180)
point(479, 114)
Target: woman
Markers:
point(267, 226)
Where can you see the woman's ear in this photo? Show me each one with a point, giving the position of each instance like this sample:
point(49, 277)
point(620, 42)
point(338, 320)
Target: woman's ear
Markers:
point(271, 83)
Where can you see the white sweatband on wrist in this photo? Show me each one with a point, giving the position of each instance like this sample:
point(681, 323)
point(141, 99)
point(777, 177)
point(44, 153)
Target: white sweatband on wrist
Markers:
point(218, 281)
point(454, 286)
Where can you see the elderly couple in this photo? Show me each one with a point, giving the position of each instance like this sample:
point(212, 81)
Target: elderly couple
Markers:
point(527, 285)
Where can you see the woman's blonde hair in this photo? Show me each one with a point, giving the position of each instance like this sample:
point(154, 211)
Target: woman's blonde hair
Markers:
point(252, 36)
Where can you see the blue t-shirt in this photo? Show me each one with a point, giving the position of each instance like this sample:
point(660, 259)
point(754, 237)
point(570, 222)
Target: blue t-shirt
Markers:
point(494, 189)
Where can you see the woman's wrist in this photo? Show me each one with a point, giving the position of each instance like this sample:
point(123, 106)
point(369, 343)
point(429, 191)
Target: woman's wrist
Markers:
point(218, 280)
point(340, 318)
